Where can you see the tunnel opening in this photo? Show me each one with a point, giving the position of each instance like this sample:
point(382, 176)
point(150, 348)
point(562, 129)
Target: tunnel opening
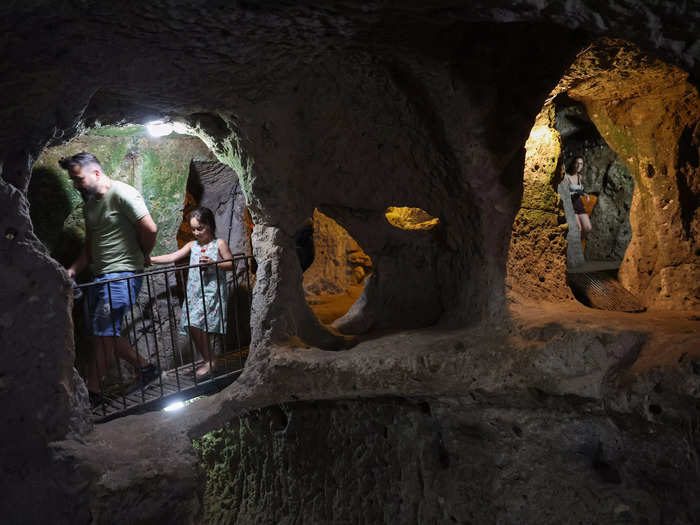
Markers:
point(627, 114)
point(307, 85)
point(407, 218)
point(157, 166)
point(596, 193)
point(335, 279)
point(608, 186)
point(175, 172)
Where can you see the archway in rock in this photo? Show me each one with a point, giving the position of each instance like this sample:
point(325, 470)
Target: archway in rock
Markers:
point(175, 172)
point(157, 167)
point(608, 184)
point(349, 109)
point(649, 114)
point(335, 279)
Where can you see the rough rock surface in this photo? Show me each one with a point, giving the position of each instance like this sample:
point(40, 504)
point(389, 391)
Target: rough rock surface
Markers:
point(122, 474)
point(339, 261)
point(157, 167)
point(349, 109)
point(649, 113)
point(80, 422)
point(446, 460)
point(471, 423)
point(36, 369)
point(606, 176)
point(587, 421)
point(538, 257)
point(610, 218)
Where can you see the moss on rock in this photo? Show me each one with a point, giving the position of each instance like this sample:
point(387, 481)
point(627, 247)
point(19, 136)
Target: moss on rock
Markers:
point(157, 167)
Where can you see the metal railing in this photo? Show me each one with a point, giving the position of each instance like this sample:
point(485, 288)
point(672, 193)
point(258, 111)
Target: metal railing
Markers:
point(149, 326)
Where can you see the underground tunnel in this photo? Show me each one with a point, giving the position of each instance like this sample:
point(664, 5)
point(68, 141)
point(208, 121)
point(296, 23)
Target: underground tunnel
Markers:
point(437, 361)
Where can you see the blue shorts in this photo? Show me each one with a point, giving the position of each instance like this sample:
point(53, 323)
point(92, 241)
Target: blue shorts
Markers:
point(102, 317)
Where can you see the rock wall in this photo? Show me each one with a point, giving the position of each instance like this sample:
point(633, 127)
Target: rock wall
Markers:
point(347, 109)
point(41, 400)
point(339, 261)
point(605, 176)
point(610, 219)
point(648, 113)
point(445, 460)
point(157, 167)
point(538, 249)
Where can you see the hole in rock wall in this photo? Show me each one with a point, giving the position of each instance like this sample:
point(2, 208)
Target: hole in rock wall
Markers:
point(407, 218)
point(157, 167)
point(607, 182)
point(335, 279)
point(629, 116)
point(174, 174)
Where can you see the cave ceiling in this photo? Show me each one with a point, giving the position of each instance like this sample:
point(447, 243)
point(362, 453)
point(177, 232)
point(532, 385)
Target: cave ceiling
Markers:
point(139, 59)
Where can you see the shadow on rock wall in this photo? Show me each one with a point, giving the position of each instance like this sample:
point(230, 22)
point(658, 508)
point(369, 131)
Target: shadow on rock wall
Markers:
point(52, 205)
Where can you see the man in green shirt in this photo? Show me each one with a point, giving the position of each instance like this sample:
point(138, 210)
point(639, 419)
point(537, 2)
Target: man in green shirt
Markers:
point(120, 235)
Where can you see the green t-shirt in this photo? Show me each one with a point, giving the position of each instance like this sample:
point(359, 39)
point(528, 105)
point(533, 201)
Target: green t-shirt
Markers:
point(111, 224)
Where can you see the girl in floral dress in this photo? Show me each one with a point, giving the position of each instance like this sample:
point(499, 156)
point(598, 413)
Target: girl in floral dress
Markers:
point(203, 313)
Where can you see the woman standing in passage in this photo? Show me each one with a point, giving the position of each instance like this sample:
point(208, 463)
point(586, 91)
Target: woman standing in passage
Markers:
point(573, 177)
point(205, 308)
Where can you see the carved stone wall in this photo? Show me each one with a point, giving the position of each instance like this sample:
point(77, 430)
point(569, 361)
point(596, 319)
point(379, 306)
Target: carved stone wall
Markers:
point(649, 114)
point(605, 176)
point(349, 109)
point(339, 261)
point(442, 461)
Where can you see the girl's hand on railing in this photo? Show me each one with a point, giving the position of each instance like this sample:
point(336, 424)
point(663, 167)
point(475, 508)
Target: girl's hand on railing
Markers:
point(205, 260)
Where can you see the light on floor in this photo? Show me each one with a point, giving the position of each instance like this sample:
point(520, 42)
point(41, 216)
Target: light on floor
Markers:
point(177, 405)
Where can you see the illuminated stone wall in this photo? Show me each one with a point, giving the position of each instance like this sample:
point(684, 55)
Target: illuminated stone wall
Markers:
point(649, 114)
point(157, 167)
point(605, 176)
point(537, 256)
point(339, 261)
point(350, 109)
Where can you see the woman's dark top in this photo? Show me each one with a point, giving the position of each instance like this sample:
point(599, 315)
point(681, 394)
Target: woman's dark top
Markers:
point(576, 191)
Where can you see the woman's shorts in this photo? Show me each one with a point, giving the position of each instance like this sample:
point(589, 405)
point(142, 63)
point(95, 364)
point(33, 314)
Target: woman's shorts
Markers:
point(106, 303)
point(578, 205)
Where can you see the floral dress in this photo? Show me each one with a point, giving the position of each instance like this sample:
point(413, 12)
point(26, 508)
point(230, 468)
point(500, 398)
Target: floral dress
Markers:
point(215, 297)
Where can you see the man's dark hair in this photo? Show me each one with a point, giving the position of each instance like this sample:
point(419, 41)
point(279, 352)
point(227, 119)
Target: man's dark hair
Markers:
point(79, 159)
point(205, 216)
